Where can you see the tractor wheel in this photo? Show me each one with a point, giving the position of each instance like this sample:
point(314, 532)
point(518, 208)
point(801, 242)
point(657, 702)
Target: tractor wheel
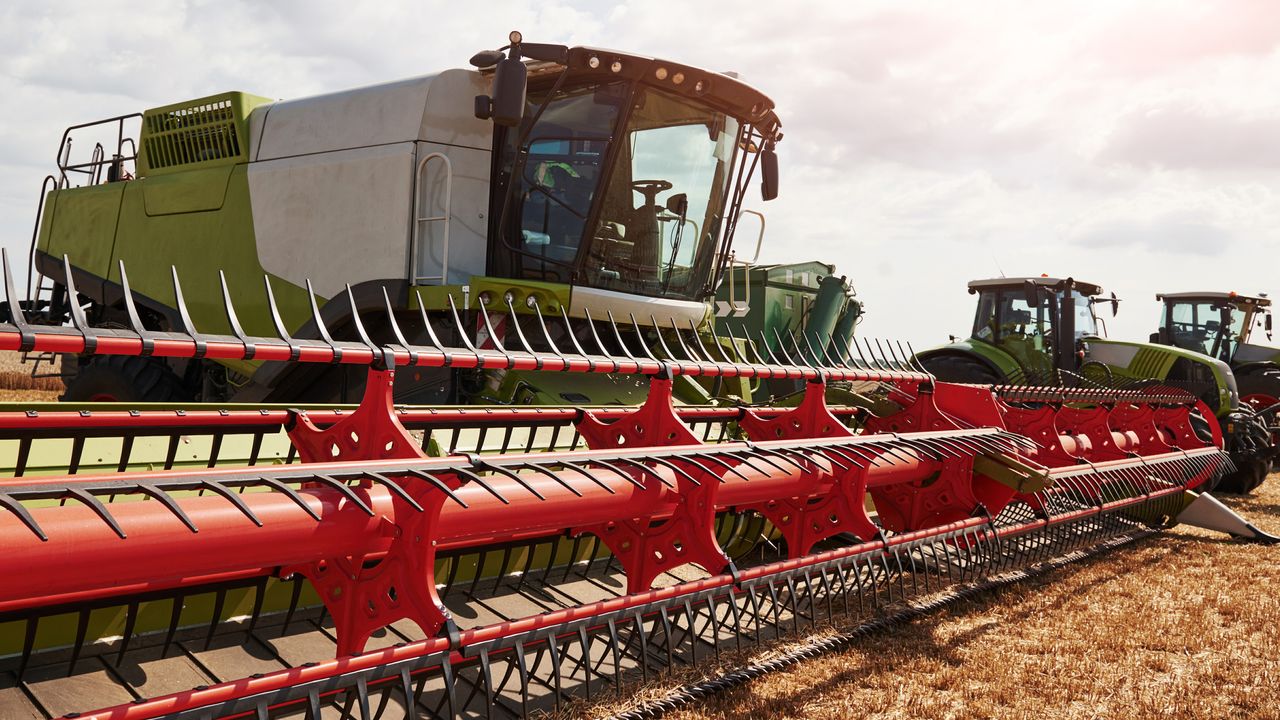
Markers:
point(1252, 456)
point(123, 378)
point(1260, 390)
point(960, 369)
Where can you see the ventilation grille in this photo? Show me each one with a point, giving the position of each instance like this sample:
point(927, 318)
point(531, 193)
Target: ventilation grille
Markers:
point(195, 134)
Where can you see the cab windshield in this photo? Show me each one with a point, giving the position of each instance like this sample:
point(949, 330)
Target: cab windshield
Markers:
point(617, 186)
point(1205, 327)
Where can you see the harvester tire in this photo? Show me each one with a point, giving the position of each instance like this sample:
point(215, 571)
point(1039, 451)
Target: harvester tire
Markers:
point(1252, 456)
point(960, 369)
point(123, 378)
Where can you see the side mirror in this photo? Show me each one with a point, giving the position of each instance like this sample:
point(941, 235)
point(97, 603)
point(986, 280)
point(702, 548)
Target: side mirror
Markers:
point(678, 204)
point(1031, 293)
point(1115, 305)
point(768, 172)
point(1266, 322)
point(1155, 338)
point(509, 84)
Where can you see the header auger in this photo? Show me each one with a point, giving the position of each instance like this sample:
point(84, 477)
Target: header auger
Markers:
point(495, 561)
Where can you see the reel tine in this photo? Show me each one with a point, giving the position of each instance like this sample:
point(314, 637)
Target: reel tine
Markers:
point(617, 335)
point(17, 508)
point(463, 335)
point(493, 336)
point(568, 328)
point(321, 328)
point(290, 493)
point(604, 352)
point(553, 477)
point(438, 484)
point(78, 319)
point(169, 503)
point(374, 350)
point(184, 315)
point(657, 330)
point(97, 507)
point(16, 315)
point(396, 332)
point(635, 326)
point(135, 322)
point(233, 320)
point(232, 498)
point(294, 349)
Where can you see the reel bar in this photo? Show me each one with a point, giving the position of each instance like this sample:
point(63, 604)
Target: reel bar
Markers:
point(536, 354)
point(801, 588)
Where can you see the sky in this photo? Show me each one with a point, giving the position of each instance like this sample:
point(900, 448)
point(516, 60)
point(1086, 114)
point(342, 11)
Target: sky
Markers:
point(1131, 144)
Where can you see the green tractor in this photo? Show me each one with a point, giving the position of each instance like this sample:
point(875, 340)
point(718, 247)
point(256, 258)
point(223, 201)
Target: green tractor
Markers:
point(598, 188)
point(1045, 331)
point(1222, 325)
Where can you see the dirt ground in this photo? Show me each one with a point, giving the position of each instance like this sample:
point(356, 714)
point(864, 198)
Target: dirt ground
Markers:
point(1182, 625)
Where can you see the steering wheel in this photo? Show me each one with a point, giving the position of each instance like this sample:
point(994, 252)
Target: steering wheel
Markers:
point(650, 189)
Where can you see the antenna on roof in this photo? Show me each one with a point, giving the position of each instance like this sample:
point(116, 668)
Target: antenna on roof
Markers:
point(997, 262)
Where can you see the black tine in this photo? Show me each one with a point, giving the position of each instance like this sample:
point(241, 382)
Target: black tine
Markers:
point(232, 498)
point(393, 488)
point(19, 319)
point(97, 507)
point(135, 322)
point(697, 340)
point(17, 508)
point(77, 313)
point(359, 324)
point(431, 331)
point(233, 320)
point(546, 334)
point(295, 597)
point(438, 484)
point(259, 597)
point(640, 335)
point(620, 473)
point(406, 687)
point(290, 493)
point(130, 622)
point(481, 482)
point(483, 465)
point(573, 338)
point(515, 321)
point(644, 469)
point(484, 318)
point(346, 492)
point(675, 468)
point(184, 315)
point(395, 327)
point(783, 349)
point(219, 602)
point(617, 335)
point(175, 616)
point(457, 319)
point(714, 457)
point(283, 333)
point(587, 474)
point(604, 352)
point(82, 629)
point(662, 341)
point(170, 504)
point(556, 478)
point(736, 360)
point(28, 644)
point(321, 328)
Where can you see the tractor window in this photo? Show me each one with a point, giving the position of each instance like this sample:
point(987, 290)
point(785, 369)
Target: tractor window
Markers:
point(661, 213)
point(1086, 322)
point(554, 178)
point(1195, 326)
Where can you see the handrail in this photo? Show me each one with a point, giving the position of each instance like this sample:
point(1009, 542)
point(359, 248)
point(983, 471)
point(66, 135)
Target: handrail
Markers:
point(419, 219)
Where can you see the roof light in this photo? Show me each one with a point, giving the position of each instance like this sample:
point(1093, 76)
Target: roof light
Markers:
point(660, 73)
point(593, 62)
point(515, 37)
point(616, 66)
point(699, 86)
point(678, 78)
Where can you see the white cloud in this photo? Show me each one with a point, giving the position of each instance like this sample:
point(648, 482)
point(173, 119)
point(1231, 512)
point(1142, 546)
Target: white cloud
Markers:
point(1129, 143)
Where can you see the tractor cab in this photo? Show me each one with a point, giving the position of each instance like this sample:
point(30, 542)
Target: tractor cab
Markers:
point(1217, 324)
point(1042, 322)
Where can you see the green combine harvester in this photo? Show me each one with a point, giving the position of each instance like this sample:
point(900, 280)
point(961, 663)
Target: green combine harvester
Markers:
point(613, 188)
point(1045, 331)
point(1222, 325)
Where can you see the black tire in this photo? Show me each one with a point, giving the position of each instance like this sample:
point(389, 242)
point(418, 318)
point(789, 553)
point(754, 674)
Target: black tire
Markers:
point(960, 369)
point(1251, 454)
point(123, 378)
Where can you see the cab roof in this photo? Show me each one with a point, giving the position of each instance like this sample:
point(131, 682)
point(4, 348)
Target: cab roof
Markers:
point(1084, 288)
point(1259, 300)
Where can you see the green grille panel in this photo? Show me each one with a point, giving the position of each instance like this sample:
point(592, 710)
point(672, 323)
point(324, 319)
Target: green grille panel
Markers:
point(205, 132)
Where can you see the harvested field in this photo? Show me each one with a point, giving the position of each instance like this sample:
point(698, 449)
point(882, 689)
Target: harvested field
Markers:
point(16, 383)
point(1185, 624)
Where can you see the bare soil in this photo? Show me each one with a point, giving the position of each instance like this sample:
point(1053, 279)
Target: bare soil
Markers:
point(1182, 625)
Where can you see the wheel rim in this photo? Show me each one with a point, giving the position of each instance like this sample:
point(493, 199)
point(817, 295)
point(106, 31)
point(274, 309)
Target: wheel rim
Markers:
point(1259, 401)
point(103, 397)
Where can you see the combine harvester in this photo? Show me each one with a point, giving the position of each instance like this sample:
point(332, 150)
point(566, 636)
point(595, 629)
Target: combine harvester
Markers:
point(258, 560)
point(1045, 331)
